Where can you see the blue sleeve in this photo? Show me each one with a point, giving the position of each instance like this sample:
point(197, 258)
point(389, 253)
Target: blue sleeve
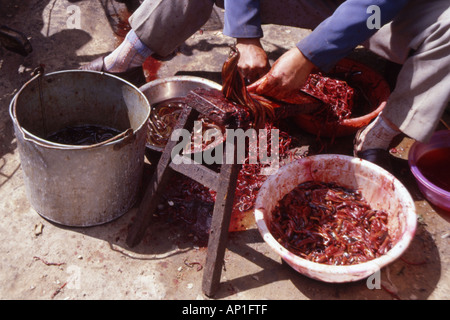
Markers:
point(242, 19)
point(336, 36)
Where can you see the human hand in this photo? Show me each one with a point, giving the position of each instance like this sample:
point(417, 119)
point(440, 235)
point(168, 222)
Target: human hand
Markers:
point(253, 61)
point(287, 75)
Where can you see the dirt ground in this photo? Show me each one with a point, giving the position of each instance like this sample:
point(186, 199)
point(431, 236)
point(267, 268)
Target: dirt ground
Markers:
point(43, 260)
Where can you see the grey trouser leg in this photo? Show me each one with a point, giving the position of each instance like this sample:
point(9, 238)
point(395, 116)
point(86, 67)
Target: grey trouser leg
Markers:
point(165, 24)
point(418, 38)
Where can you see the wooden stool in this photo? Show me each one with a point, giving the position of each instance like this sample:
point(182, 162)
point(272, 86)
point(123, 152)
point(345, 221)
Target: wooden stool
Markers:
point(223, 182)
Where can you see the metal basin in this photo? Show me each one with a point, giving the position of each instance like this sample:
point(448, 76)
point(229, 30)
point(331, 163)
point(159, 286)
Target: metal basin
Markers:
point(171, 88)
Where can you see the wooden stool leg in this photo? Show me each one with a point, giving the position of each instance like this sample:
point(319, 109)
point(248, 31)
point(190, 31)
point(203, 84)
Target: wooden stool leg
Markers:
point(223, 207)
point(158, 183)
point(218, 236)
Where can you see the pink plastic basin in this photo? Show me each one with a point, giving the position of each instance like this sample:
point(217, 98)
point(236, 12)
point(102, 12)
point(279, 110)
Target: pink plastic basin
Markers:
point(380, 189)
point(433, 193)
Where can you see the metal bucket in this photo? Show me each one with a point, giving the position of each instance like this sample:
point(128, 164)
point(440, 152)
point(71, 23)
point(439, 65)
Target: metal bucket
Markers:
point(80, 186)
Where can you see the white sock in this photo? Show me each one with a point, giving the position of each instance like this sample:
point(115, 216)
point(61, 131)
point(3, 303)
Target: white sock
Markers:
point(377, 135)
point(131, 53)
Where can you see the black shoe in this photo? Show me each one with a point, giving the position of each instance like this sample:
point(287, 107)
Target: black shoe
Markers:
point(379, 157)
point(134, 75)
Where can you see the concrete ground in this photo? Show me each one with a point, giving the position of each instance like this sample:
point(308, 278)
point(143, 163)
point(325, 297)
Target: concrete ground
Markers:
point(43, 260)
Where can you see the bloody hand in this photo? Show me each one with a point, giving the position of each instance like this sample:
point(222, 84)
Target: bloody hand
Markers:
point(253, 62)
point(287, 75)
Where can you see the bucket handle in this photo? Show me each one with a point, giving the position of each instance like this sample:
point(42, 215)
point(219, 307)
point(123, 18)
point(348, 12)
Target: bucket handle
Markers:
point(127, 135)
point(38, 72)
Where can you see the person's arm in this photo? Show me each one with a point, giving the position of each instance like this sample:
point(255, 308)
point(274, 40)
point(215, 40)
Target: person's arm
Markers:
point(331, 41)
point(242, 21)
point(339, 34)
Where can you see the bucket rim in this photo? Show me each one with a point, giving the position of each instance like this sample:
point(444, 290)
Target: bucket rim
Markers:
point(53, 145)
point(177, 78)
